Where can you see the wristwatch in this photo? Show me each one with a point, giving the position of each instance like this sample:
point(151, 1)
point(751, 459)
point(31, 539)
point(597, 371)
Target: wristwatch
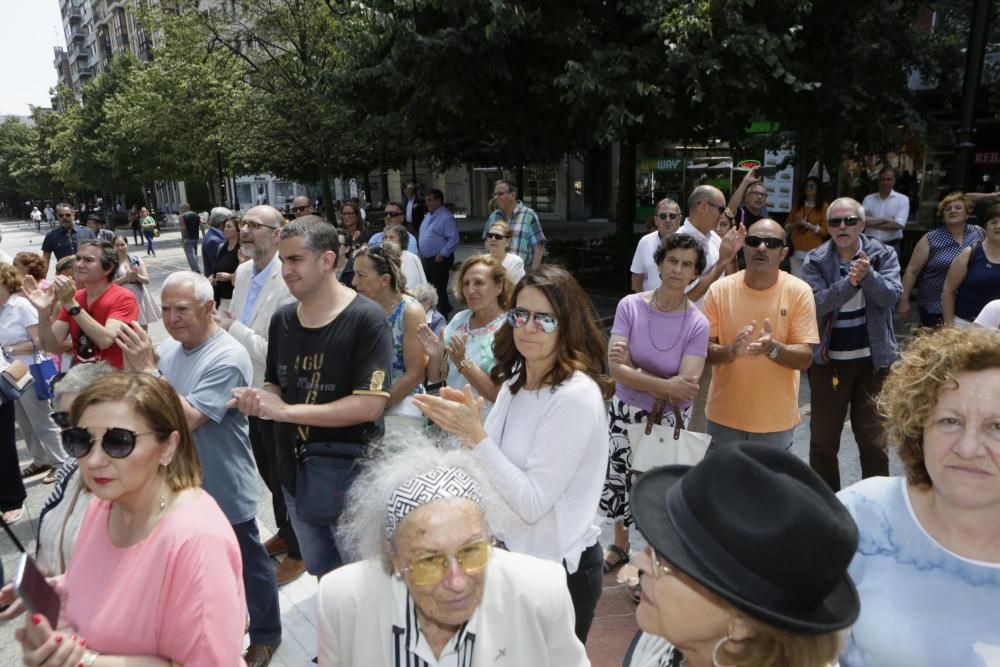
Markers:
point(74, 311)
point(775, 351)
point(466, 363)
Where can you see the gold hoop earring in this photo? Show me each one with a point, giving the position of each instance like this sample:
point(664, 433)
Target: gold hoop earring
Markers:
point(718, 645)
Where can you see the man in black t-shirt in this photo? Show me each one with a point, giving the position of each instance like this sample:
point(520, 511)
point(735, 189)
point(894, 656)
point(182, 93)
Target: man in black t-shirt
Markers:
point(190, 227)
point(326, 379)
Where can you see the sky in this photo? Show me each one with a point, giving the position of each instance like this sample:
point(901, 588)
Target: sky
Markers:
point(28, 31)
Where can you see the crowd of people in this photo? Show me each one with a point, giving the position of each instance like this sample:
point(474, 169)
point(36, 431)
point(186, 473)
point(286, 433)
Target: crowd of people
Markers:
point(443, 474)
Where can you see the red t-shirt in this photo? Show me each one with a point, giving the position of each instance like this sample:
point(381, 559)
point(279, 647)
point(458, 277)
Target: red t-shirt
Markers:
point(116, 303)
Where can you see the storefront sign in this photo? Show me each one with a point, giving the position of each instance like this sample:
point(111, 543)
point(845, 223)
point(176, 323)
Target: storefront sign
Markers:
point(661, 164)
point(987, 157)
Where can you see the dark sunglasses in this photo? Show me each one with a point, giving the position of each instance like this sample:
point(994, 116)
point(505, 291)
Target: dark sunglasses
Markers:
point(671, 216)
point(60, 419)
point(721, 209)
point(116, 442)
point(518, 317)
point(770, 242)
point(296, 209)
point(392, 214)
point(495, 237)
point(850, 221)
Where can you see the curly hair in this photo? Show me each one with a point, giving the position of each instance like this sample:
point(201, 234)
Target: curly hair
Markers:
point(10, 278)
point(954, 197)
point(496, 270)
point(580, 346)
point(33, 264)
point(910, 393)
point(681, 242)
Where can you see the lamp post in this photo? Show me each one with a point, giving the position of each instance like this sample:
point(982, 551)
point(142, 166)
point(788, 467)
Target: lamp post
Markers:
point(974, 55)
point(222, 179)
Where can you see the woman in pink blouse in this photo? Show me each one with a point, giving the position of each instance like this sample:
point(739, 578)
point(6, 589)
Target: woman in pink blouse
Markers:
point(156, 574)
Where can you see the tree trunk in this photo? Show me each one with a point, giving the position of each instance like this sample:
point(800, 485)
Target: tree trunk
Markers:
point(625, 206)
point(325, 193)
point(384, 176)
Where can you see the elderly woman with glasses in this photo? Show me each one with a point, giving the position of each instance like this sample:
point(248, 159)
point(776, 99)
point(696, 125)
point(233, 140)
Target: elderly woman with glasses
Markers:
point(148, 518)
point(544, 444)
point(933, 256)
point(721, 586)
point(431, 588)
point(645, 270)
point(498, 238)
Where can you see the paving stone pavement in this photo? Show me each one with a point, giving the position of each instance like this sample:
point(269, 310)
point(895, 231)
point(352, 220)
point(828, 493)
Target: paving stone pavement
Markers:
point(615, 623)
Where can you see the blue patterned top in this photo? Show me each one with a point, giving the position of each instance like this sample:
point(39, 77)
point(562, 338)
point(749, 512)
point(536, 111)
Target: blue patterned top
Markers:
point(943, 250)
point(921, 604)
point(396, 325)
point(478, 347)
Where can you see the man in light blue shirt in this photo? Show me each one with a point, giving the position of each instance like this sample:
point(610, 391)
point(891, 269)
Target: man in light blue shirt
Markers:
point(438, 240)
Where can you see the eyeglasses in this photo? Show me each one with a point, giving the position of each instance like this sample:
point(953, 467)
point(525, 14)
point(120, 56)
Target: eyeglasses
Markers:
point(495, 236)
point(769, 241)
point(671, 216)
point(297, 209)
point(116, 442)
point(392, 214)
point(658, 567)
point(758, 193)
point(501, 194)
point(254, 226)
point(60, 419)
point(850, 221)
point(518, 317)
point(430, 570)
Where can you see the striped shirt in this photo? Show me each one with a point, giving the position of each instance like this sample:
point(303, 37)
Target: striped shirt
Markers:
point(849, 331)
point(410, 647)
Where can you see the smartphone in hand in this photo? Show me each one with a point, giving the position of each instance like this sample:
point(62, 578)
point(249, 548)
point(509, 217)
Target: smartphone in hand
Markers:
point(36, 593)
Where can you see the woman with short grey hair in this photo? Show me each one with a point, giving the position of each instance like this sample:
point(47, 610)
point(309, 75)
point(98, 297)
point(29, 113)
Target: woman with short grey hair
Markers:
point(433, 588)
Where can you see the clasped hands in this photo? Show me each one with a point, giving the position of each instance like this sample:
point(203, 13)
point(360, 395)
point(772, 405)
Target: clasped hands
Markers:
point(458, 412)
point(751, 342)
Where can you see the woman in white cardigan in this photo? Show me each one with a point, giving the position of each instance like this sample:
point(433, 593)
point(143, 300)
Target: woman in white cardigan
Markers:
point(432, 589)
point(541, 444)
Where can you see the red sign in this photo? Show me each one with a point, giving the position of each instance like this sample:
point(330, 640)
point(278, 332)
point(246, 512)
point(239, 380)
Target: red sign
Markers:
point(987, 157)
point(748, 164)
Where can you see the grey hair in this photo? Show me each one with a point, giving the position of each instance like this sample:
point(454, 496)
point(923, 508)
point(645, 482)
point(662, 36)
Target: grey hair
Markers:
point(399, 457)
point(702, 193)
point(219, 215)
point(425, 292)
point(317, 234)
point(859, 210)
point(202, 288)
point(667, 201)
point(78, 378)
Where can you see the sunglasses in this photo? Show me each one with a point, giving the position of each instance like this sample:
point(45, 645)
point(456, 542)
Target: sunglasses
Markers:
point(770, 242)
point(518, 317)
point(60, 419)
point(116, 442)
point(392, 214)
point(721, 209)
point(430, 570)
point(671, 216)
point(495, 237)
point(850, 221)
point(296, 209)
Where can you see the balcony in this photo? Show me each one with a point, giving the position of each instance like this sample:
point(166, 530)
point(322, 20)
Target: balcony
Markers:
point(74, 13)
point(79, 53)
point(86, 72)
point(77, 35)
point(60, 57)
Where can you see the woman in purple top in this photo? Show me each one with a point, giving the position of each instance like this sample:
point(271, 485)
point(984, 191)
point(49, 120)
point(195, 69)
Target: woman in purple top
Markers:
point(657, 351)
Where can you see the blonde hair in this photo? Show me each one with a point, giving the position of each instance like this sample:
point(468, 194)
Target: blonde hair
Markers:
point(156, 402)
point(910, 393)
point(954, 197)
point(769, 646)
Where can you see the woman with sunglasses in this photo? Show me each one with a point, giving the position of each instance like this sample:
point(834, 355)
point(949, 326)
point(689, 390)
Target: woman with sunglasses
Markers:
point(544, 444)
point(379, 276)
point(429, 587)
point(721, 586)
point(156, 573)
point(645, 271)
point(806, 224)
point(463, 353)
point(934, 255)
point(973, 279)
point(657, 350)
point(498, 246)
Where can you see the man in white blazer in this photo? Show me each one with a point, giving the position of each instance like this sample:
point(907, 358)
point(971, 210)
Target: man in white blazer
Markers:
point(258, 291)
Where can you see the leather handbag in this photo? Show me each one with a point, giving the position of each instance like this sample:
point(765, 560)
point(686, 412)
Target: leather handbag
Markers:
point(323, 477)
point(14, 381)
point(654, 445)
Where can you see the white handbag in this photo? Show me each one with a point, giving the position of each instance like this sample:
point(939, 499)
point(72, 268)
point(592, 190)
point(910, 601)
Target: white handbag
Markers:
point(655, 445)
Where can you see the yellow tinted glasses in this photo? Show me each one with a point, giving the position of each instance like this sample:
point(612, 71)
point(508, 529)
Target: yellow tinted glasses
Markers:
point(430, 570)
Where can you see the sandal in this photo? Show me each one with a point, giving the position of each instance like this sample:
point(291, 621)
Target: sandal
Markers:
point(34, 469)
point(614, 550)
point(50, 478)
point(11, 517)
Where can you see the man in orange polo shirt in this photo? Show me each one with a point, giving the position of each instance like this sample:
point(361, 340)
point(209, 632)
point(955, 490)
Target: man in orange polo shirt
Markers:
point(762, 328)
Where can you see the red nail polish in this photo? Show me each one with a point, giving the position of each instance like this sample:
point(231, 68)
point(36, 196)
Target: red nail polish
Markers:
point(58, 639)
point(80, 664)
point(36, 619)
point(83, 643)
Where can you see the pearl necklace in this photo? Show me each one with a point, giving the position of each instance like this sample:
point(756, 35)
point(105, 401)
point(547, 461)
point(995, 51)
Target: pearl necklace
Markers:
point(649, 322)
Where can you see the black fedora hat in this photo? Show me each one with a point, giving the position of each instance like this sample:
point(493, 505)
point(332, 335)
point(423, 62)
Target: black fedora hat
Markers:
point(756, 526)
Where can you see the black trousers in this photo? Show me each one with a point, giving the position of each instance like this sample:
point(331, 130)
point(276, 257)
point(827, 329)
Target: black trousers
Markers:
point(263, 443)
point(585, 587)
point(438, 274)
point(12, 493)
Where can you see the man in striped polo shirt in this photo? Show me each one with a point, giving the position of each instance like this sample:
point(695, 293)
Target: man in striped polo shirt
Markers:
point(855, 280)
